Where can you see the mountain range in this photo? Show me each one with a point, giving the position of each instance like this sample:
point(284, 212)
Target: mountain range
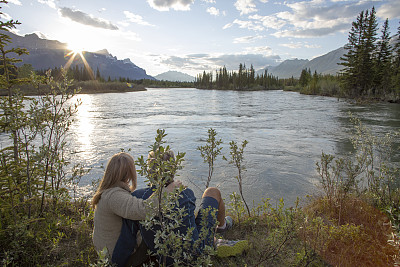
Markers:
point(325, 64)
point(44, 54)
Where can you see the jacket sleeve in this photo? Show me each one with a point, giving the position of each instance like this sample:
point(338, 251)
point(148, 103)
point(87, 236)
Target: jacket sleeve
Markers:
point(123, 204)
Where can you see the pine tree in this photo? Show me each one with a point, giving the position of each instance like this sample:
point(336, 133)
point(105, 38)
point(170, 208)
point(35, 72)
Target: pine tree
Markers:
point(368, 49)
point(350, 60)
point(98, 76)
point(396, 65)
point(357, 76)
point(383, 61)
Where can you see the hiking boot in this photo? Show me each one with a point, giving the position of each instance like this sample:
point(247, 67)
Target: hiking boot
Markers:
point(227, 248)
point(228, 225)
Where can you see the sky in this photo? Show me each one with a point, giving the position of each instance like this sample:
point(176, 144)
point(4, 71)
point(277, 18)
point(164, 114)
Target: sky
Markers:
point(191, 36)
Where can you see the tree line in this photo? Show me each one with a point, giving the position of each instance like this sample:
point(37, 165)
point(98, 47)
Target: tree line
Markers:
point(244, 79)
point(371, 65)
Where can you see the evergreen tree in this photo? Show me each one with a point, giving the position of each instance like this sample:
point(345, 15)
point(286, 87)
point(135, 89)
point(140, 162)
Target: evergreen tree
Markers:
point(98, 76)
point(305, 78)
point(350, 60)
point(367, 52)
point(358, 61)
point(396, 65)
point(383, 61)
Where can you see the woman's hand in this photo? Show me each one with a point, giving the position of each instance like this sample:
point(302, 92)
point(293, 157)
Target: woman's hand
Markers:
point(173, 185)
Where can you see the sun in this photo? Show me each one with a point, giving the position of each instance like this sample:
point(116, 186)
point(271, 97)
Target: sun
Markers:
point(76, 48)
point(74, 51)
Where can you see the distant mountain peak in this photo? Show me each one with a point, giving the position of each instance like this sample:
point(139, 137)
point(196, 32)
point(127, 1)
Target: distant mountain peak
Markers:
point(174, 76)
point(102, 52)
point(38, 34)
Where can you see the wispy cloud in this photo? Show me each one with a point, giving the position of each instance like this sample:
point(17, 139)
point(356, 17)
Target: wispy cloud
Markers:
point(15, 2)
point(5, 16)
point(311, 32)
point(245, 6)
point(136, 18)
point(260, 58)
point(86, 19)
point(319, 18)
point(165, 5)
point(215, 11)
point(247, 39)
point(209, 1)
point(50, 3)
point(390, 10)
point(245, 24)
point(306, 19)
point(264, 50)
point(298, 45)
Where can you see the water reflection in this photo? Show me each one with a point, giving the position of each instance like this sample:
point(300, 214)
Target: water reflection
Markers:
point(83, 128)
point(286, 132)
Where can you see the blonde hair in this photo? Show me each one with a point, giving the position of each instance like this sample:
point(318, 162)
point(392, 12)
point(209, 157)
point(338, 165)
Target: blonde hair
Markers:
point(120, 168)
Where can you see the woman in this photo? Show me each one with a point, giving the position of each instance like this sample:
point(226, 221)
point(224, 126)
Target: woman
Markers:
point(113, 201)
point(211, 200)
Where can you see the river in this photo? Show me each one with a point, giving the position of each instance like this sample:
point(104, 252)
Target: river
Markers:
point(286, 132)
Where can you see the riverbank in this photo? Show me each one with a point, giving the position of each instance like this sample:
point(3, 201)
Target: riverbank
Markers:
point(86, 87)
point(282, 235)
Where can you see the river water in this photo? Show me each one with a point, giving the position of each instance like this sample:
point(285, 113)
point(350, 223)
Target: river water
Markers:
point(286, 132)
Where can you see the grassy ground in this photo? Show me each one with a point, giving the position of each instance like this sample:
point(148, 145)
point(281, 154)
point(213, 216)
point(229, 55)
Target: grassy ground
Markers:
point(320, 234)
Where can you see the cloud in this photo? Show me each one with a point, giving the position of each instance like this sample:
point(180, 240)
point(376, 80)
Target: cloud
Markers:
point(136, 19)
point(214, 11)
point(390, 10)
point(209, 1)
point(5, 16)
point(267, 22)
point(311, 32)
point(228, 25)
point(15, 2)
point(245, 6)
point(264, 50)
point(207, 62)
point(247, 39)
point(245, 24)
point(165, 5)
point(50, 3)
point(298, 45)
point(307, 19)
point(85, 19)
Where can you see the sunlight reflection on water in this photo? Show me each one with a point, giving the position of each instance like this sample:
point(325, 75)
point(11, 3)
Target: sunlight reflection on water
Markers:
point(286, 132)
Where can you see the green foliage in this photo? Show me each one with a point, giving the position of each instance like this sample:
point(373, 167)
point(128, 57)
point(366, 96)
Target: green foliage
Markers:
point(366, 171)
point(236, 207)
point(368, 60)
point(210, 151)
point(236, 158)
point(244, 79)
point(168, 217)
point(34, 168)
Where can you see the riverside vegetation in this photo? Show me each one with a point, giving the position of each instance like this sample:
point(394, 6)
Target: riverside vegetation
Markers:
point(371, 69)
point(44, 222)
